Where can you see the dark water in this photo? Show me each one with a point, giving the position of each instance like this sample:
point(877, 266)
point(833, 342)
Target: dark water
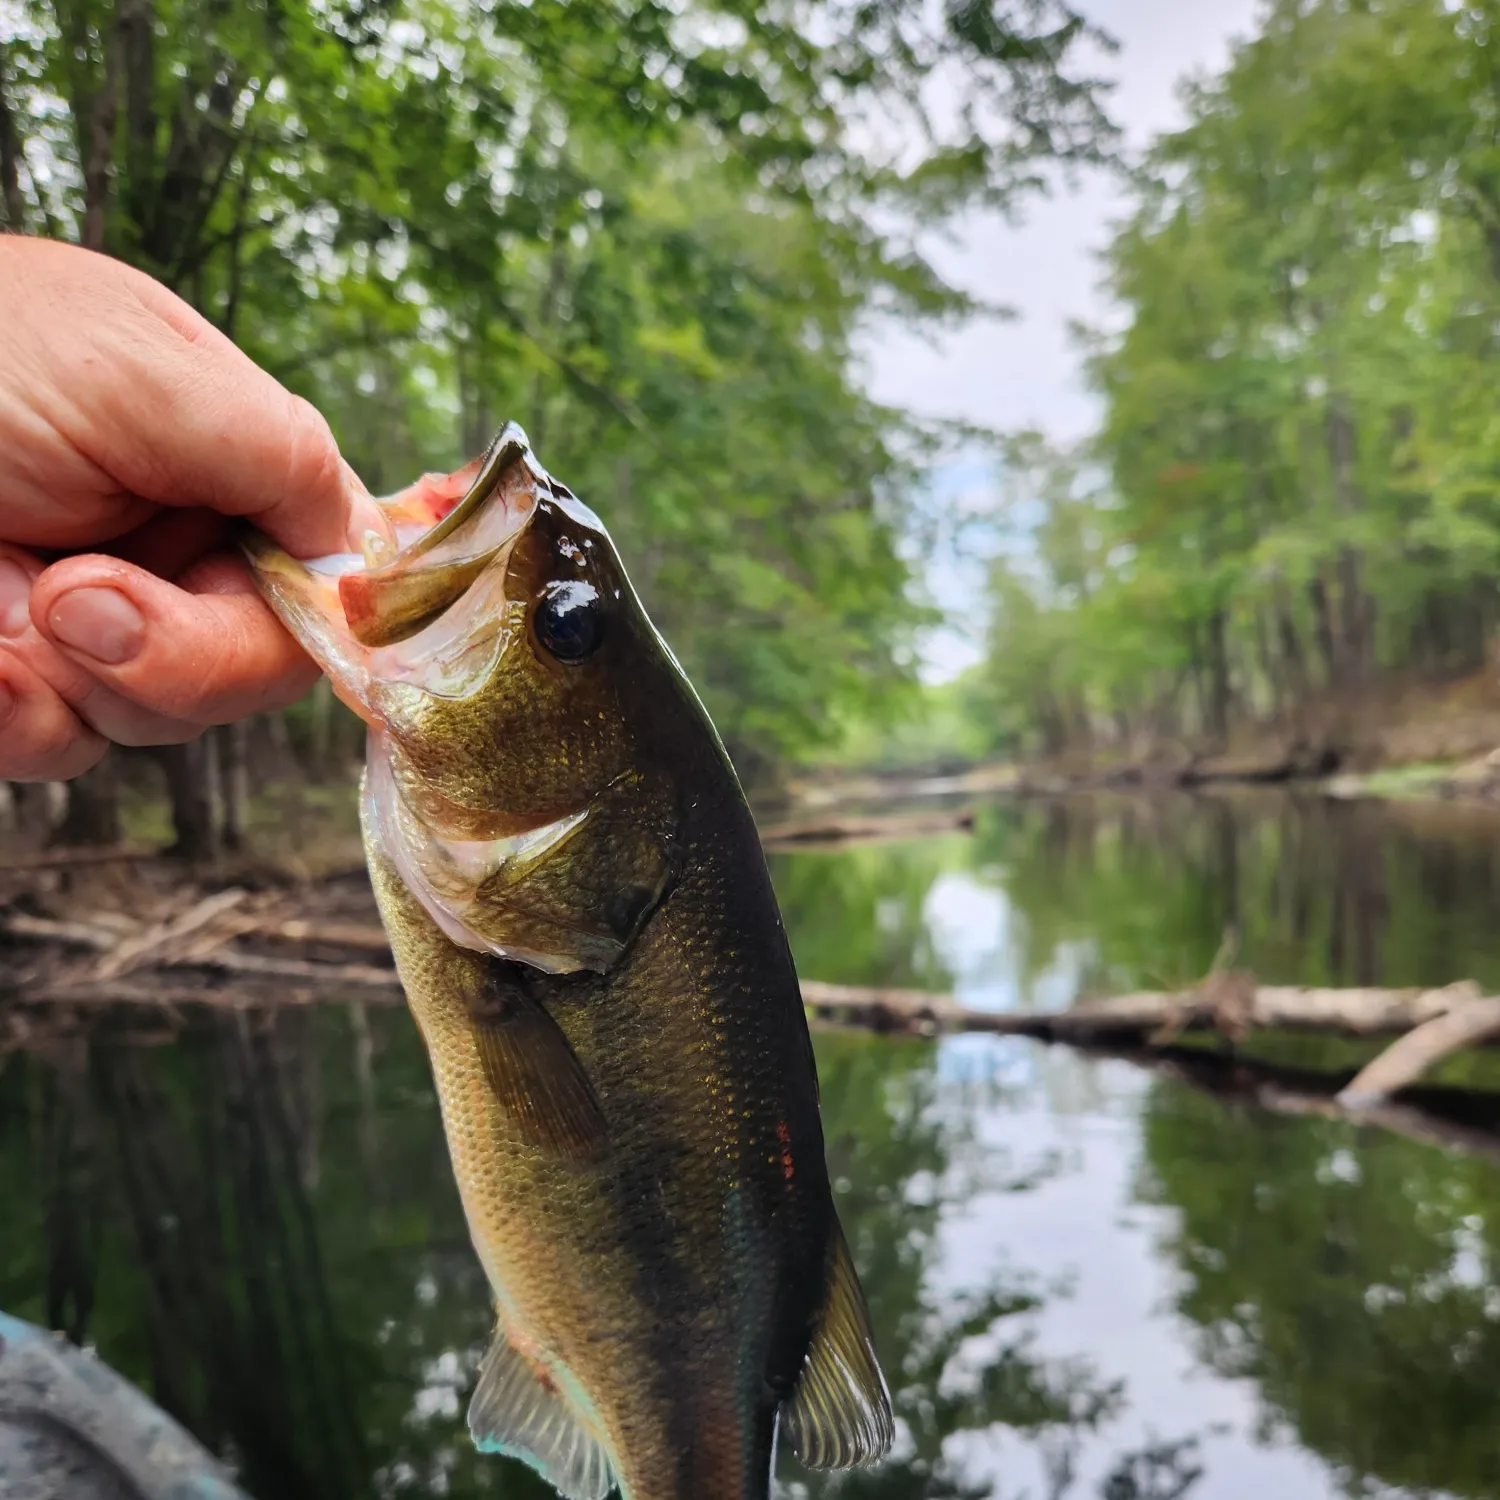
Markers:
point(1088, 1281)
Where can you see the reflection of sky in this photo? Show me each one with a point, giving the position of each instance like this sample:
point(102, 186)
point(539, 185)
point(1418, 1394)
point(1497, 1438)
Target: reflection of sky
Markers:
point(978, 937)
point(1027, 372)
point(1070, 1128)
point(1079, 1225)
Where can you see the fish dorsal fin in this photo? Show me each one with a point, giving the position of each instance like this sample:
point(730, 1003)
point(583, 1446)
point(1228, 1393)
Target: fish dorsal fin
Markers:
point(839, 1416)
point(516, 1409)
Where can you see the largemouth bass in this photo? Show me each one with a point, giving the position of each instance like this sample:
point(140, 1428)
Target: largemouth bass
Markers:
point(584, 926)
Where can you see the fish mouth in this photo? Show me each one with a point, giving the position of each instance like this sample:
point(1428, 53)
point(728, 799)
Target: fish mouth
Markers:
point(390, 613)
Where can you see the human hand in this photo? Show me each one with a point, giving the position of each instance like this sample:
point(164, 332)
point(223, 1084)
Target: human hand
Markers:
point(129, 423)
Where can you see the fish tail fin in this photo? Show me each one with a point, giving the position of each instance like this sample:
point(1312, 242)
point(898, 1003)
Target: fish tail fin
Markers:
point(839, 1416)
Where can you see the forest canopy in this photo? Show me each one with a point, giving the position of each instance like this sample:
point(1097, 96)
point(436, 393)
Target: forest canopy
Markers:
point(1295, 488)
point(648, 232)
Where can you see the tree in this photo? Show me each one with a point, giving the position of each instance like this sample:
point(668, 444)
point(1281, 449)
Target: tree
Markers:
point(1300, 458)
point(646, 230)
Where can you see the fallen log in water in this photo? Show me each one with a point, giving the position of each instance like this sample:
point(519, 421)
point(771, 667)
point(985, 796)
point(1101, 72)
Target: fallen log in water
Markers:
point(1349, 1012)
point(1429, 1024)
point(833, 828)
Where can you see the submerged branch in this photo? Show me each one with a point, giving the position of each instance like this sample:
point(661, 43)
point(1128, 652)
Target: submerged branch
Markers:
point(1452, 1119)
point(212, 933)
point(1410, 1056)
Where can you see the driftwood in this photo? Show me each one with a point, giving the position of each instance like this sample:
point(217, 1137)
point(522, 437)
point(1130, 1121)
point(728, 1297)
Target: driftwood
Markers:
point(57, 859)
point(1428, 1024)
point(830, 828)
point(327, 934)
point(101, 984)
point(1410, 1056)
point(159, 941)
point(1349, 1012)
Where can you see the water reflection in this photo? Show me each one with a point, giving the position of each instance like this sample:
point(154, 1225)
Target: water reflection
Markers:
point(1351, 1278)
point(1086, 1281)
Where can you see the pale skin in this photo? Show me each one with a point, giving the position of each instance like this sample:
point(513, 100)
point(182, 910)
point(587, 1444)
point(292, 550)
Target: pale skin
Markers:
point(132, 432)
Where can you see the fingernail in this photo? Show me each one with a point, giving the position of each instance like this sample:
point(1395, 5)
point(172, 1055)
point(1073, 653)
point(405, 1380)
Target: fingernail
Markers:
point(99, 622)
point(15, 597)
point(365, 517)
point(7, 703)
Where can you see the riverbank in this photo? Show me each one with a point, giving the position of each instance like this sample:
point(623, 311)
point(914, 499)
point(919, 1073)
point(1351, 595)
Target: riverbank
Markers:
point(1401, 741)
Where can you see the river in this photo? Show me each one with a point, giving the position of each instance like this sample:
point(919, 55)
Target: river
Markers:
point(1088, 1280)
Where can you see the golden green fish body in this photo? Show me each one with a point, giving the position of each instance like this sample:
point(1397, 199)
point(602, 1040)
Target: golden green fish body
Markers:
point(583, 922)
point(661, 1276)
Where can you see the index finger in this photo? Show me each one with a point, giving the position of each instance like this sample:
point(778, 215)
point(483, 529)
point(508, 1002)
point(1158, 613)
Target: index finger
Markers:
point(157, 403)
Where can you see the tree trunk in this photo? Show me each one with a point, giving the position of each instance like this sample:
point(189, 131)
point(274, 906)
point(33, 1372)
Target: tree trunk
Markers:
point(98, 160)
point(1323, 624)
point(11, 199)
point(1356, 609)
point(235, 777)
point(189, 770)
point(474, 409)
point(33, 805)
point(1270, 668)
point(93, 815)
point(135, 31)
point(280, 759)
point(322, 726)
point(1218, 675)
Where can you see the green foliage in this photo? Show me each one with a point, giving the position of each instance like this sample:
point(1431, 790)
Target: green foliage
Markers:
point(645, 231)
point(1296, 484)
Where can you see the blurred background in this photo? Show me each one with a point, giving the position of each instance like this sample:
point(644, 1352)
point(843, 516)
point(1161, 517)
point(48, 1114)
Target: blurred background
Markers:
point(658, 235)
point(961, 382)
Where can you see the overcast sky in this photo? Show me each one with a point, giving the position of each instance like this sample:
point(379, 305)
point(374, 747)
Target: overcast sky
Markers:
point(1025, 372)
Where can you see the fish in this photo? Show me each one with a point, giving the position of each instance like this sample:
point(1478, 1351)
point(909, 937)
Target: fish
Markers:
point(584, 926)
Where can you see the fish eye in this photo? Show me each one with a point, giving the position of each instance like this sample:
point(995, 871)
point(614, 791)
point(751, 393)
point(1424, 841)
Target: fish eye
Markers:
point(569, 619)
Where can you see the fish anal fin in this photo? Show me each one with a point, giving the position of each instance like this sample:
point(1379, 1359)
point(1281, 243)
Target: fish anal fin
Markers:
point(517, 1409)
point(839, 1415)
point(536, 1078)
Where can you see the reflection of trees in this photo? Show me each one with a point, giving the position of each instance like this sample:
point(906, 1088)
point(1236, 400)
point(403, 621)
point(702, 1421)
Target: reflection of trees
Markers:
point(206, 1214)
point(955, 1364)
point(258, 1224)
point(857, 914)
point(1319, 891)
point(215, 1216)
point(1352, 1277)
point(1160, 1471)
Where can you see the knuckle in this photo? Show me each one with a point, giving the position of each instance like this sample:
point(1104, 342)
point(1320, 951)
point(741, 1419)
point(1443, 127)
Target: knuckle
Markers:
point(45, 743)
point(84, 752)
point(312, 456)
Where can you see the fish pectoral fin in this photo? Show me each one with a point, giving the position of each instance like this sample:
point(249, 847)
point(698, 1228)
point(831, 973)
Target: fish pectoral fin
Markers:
point(839, 1416)
point(517, 1409)
point(535, 1075)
